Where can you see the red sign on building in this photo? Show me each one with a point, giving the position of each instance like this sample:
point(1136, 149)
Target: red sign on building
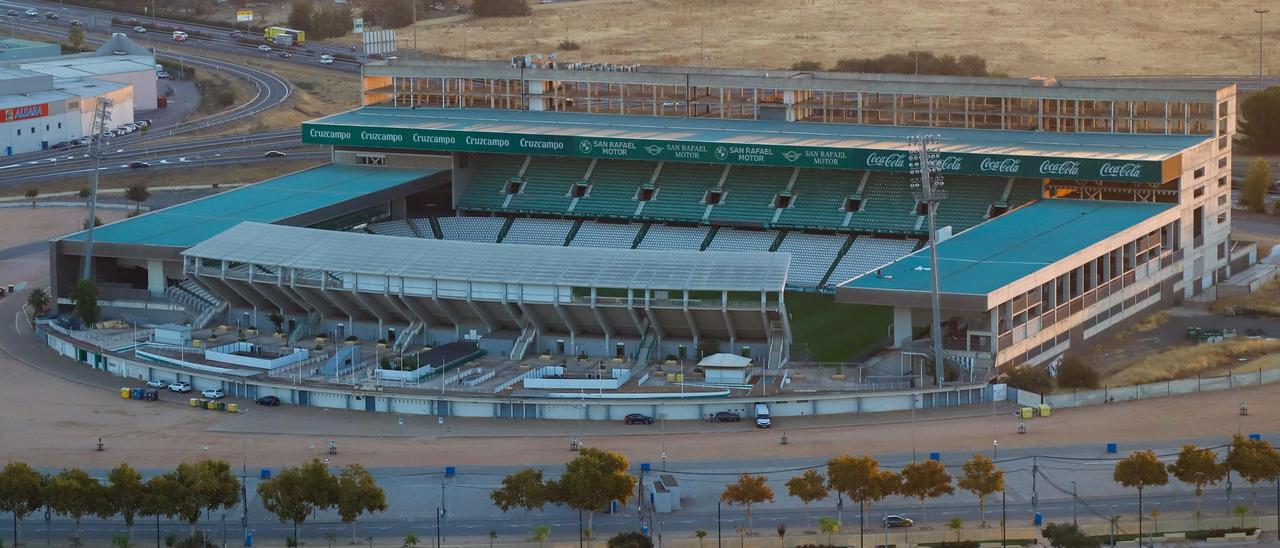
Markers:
point(26, 113)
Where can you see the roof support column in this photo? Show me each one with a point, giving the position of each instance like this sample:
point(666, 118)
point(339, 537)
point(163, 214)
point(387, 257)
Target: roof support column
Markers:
point(368, 304)
point(249, 300)
point(417, 309)
point(223, 290)
point(534, 319)
point(653, 318)
point(605, 327)
point(444, 307)
point(570, 323)
point(337, 301)
point(688, 317)
point(728, 321)
point(485, 316)
point(305, 294)
point(635, 316)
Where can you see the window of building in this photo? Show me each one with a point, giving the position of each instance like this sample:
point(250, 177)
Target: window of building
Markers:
point(1222, 251)
point(1197, 225)
point(1198, 192)
point(1222, 142)
point(1222, 199)
point(643, 194)
point(1222, 218)
point(46, 127)
point(59, 125)
point(1222, 162)
point(1222, 109)
point(1198, 173)
point(19, 131)
point(1222, 181)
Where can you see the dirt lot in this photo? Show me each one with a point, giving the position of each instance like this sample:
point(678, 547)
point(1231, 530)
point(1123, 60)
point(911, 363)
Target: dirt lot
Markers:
point(21, 224)
point(1021, 37)
point(250, 173)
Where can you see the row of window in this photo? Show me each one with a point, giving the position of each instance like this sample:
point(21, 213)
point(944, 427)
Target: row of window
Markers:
point(33, 128)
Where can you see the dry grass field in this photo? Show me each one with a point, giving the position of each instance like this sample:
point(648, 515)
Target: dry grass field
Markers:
point(1021, 37)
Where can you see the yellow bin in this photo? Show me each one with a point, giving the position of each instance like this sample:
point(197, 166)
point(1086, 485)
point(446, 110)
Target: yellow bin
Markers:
point(194, 402)
point(679, 377)
point(1044, 410)
point(211, 404)
point(126, 393)
point(671, 377)
point(1025, 412)
point(233, 408)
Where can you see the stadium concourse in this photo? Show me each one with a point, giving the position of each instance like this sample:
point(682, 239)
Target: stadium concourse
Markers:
point(660, 227)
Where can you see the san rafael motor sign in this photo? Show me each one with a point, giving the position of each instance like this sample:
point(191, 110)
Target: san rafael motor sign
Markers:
point(443, 140)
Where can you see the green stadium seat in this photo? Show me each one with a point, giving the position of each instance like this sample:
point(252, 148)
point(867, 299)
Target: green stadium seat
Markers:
point(487, 189)
point(888, 205)
point(750, 194)
point(680, 190)
point(547, 185)
point(818, 198)
point(613, 188)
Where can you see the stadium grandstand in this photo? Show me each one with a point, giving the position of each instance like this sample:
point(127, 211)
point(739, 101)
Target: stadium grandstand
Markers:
point(642, 212)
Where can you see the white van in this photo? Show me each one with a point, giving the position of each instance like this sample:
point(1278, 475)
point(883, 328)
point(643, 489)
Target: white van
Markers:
point(762, 416)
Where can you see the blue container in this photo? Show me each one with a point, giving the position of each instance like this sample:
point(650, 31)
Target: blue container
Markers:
point(1039, 519)
point(935, 456)
point(248, 538)
point(450, 471)
point(1255, 437)
point(1111, 448)
point(265, 473)
point(644, 467)
point(644, 529)
point(136, 393)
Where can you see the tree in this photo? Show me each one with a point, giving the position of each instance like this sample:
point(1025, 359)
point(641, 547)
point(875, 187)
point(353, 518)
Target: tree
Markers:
point(1256, 184)
point(1030, 378)
point(120, 540)
point(862, 480)
point(592, 480)
point(358, 493)
point(21, 492)
point(501, 8)
point(300, 15)
point(410, 539)
point(701, 535)
point(808, 487)
point(197, 486)
point(524, 489)
point(631, 539)
point(31, 194)
point(85, 298)
point(76, 36)
point(1066, 535)
point(982, 478)
point(748, 490)
point(1240, 511)
point(125, 495)
point(956, 525)
point(1140, 470)
point(1075, 373)
point(1255, 461)
point(391, 14)
point(829, 526)
point(1198, 467)
point(38, 300)
point(97, 222)
point(74, 493)
point(925, 480)
point(295, 493)
point(807, 66)
point(539, 534)
point(137, 193)
point(1260, 121)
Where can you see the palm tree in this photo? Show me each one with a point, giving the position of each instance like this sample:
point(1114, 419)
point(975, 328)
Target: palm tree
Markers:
point(539, 534)
point(701, 535)
point(410, 540)
point(828, 526)
point(38, 300)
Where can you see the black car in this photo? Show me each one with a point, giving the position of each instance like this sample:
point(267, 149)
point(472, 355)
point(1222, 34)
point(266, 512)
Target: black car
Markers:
point(726, 416)
point(269, 401)
point(13, 13)
point(636, 418)
point(51, 16)
point(138, 164)
point(894, 520)
point(76, 23)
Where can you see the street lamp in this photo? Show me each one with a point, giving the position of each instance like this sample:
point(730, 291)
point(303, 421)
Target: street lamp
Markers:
point(995, 450)
point(1260, 13)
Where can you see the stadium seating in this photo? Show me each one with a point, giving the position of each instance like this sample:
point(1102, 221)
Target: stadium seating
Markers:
point(750, 194)
point(681, 187)
point(548, 181)
point(423, 227)
point(729, 239)
point(487, 190)
point(613, 188)
point(674, 237)
point(1025, 190)
point(471, 229)
point(888, 205)
point(397, 227)
point(819, 196)
point(593, 234)
point(538, 231)
point(868, 253)
point(968, 200)
point(811, 256)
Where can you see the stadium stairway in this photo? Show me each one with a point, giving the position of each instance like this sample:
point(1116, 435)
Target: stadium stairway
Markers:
point(749, 194)
point(679, 192)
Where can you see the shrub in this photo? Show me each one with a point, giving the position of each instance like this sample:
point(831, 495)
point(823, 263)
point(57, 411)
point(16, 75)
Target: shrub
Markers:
point(1066, 535)
point(500, 8)
point(1029, 378)
point(958, 544)
point(632, 539)
point(1075, 373)
point(923, 62)
point(569, 45)
point(1260, 121)
point(812, 66)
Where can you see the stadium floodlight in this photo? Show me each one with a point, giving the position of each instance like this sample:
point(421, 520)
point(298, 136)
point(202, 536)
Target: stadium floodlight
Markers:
point(925, 161)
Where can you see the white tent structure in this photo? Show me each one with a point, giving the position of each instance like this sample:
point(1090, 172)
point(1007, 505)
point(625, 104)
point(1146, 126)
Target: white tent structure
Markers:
point(723, 368)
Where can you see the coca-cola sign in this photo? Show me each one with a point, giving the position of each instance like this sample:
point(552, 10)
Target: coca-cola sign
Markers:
point(896, 160)
point(1064, 167)
point(951, 163)
point(1007, 165)
point(1128, 170)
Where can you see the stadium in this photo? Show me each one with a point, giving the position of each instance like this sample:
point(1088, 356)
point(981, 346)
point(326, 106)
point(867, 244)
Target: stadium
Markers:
point(636, 216)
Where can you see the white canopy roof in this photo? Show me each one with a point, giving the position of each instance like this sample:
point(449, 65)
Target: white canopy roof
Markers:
point(724, 360)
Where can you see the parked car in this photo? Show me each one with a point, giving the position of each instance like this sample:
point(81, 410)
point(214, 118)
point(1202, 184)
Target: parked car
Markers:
point(762, 416)
point(376, 55)
point(13, 13)
point(180, 387)
point(637, 418)
point(32, 13)
point(326, 59)
point(61, 145)
point(143, 122)
point(269, 401)
point(76, 23)
point(214, 393)
point(140, 29)
point(158, 383)
point(274, 154)
point(285, 55)
point(894, 520)
point(264, 48)
point(137, 164)
point(726, 416)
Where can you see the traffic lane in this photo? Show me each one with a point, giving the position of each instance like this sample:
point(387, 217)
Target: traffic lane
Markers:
point(195, 161)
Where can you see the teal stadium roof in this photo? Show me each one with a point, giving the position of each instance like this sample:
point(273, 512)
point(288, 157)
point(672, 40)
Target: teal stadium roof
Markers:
point(1088, 156)
point(269, 201)
point(1010, 247)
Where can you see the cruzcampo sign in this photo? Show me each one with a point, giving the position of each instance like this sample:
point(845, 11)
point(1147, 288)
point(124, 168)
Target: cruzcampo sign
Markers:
point(1089, 169)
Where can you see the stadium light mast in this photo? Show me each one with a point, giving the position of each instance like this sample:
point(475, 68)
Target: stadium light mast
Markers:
point(926, 164)
point(101, 119)
point(1261, 12)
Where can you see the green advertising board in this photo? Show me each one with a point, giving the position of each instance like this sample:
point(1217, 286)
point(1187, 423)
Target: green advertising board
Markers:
point(721, 152)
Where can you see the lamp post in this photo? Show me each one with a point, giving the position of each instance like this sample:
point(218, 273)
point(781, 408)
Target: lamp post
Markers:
point(1261, 12)
point(926, 163)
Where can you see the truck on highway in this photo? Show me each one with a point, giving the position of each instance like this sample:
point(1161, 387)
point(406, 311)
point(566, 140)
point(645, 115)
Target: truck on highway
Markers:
point(285, 36)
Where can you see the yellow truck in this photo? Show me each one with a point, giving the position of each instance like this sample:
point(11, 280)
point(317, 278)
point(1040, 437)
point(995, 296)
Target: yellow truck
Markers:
point(285, 36)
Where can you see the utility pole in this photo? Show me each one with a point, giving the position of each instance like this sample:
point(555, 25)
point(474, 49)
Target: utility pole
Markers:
point(926, 163)
point(414, 3)
point(1035, 471)
point(1260, 13)
point(1074, 499)
point(101, 117)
